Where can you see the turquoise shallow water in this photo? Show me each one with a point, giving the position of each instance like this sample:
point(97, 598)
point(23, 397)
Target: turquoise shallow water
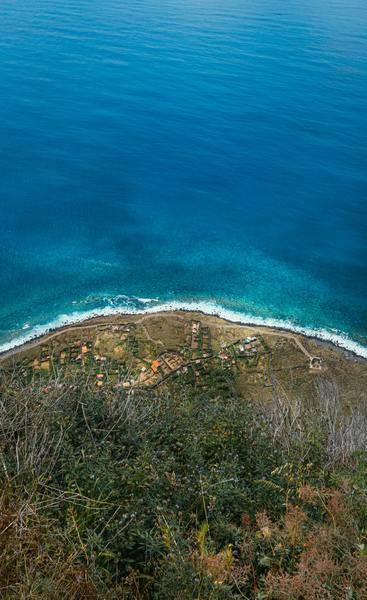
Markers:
point(203, 153)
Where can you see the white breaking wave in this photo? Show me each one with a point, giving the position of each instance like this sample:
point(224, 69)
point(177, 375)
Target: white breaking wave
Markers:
point(210, 308)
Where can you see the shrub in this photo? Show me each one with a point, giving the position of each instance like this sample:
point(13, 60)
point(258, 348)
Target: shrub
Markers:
point(186, 494)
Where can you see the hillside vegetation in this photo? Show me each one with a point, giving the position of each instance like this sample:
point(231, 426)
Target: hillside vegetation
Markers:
point(178, 493)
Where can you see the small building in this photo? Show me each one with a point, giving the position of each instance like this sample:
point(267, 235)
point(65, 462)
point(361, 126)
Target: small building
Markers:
point(155, 365)
point(315, 363)
point(250, 340)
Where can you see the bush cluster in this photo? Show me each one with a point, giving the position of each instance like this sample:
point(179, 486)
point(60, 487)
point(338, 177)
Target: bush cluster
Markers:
point(175, 495)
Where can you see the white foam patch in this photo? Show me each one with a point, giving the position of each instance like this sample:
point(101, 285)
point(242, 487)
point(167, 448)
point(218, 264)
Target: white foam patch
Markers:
point(336, 337)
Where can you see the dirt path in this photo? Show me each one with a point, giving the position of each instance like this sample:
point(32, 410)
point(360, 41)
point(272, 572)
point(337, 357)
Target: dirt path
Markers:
point(149, 337)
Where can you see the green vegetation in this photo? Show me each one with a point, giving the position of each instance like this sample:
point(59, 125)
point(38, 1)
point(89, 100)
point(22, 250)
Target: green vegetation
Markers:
point(189, 492)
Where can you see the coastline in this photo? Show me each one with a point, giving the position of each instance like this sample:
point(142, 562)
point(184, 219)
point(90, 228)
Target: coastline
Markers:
point(347, 347)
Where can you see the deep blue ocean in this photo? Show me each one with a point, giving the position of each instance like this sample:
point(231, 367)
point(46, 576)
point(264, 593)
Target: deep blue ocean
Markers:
point(200, 153)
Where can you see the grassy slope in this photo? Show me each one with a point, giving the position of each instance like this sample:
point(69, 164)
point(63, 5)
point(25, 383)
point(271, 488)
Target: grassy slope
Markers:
point(187, 491)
